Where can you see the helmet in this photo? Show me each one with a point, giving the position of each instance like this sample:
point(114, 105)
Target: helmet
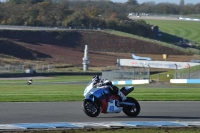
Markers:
point(107, 82)
point(96, 78)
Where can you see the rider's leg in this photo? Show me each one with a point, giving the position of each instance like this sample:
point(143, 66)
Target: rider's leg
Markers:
point(123, 97)
point(116, 90)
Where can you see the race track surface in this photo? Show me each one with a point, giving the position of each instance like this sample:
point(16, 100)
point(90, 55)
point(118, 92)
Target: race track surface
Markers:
point(41, 112)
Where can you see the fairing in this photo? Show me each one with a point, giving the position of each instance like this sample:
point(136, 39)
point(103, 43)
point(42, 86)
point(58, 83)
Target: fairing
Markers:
point(107, 100)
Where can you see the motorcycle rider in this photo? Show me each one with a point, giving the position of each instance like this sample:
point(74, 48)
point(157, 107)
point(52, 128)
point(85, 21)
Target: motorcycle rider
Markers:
point(30, 81)
point(98, 82)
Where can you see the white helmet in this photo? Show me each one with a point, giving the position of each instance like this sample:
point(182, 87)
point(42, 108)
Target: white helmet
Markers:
point(107, 82)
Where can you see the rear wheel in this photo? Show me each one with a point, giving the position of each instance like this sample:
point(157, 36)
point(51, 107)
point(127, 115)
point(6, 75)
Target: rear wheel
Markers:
point(90, 108)
point(131, 111)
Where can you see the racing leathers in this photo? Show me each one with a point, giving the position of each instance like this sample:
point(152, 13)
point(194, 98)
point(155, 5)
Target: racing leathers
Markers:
point(115, 89)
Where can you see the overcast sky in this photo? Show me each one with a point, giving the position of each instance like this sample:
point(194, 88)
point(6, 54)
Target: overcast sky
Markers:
point(157, 1)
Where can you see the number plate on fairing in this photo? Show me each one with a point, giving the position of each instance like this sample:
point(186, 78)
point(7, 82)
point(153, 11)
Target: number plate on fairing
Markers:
point(112, 108)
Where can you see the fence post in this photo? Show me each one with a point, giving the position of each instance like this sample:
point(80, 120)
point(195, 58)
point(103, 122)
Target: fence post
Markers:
point(8, 68)
point(199, 74)
point(143, 73)
point(139, 73)
point(36, 68)
point(175, 71)
point(149, 73)
point(134, 73)
point(189, 70)
point(22, 68)
point(48, 67)
point(53, 69)
point(42, 68)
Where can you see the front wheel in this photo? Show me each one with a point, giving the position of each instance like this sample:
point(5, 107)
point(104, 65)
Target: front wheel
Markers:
point(90, 108)
point(131, 111)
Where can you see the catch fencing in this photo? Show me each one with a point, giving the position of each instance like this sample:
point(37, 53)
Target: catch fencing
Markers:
point(128, 73)
point(138, 73)
point(121, 73)
point(26, 68)
point(188, 73)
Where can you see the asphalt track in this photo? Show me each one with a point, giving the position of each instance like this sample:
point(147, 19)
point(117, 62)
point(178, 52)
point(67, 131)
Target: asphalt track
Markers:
point(41, 112)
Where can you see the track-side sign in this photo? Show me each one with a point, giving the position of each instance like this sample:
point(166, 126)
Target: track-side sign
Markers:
point(155, 64)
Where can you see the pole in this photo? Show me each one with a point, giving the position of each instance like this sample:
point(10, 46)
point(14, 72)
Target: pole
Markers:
point(189, 71)
point(175, 71)
point(149, 73)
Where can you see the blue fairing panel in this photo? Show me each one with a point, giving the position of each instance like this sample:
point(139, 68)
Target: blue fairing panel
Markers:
point(101, 92)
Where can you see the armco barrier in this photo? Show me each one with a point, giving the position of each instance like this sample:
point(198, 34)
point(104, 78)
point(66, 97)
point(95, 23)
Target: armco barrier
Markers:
point(185, 81)
point(130, 82)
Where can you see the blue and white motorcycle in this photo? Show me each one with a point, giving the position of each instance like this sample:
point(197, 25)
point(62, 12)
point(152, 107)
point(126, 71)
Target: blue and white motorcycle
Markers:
point(103, 100)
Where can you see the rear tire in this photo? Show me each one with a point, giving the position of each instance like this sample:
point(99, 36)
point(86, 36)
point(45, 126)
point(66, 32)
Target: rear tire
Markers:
point(90, 108)
point(131, 111)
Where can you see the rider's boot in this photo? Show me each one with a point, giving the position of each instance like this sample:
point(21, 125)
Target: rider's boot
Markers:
point(123, 97)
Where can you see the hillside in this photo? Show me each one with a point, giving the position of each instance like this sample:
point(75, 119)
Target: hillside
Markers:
point(67, 47)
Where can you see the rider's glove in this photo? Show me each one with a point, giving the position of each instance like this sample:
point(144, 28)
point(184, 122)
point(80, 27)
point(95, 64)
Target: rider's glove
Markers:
point(100, 84)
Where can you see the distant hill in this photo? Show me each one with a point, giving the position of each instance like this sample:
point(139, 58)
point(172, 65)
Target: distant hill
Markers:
point(68, 46)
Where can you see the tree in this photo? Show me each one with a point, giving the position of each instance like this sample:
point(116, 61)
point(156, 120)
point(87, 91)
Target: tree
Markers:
point(197, 8)
point(92, 12)
point(132, 2)
point(189, 9)
point(17, 1)
point(147, 7)
point(182, 3)
point(25, 1)
point(34, 1)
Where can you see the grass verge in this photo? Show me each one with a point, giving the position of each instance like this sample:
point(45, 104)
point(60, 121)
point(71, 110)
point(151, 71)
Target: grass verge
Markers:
point(57, 89)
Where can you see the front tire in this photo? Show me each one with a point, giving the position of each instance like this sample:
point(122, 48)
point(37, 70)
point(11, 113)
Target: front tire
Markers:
point(131, 111)
point(90, 108)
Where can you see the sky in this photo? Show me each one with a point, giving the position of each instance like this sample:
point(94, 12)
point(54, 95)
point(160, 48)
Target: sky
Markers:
point(157, 1)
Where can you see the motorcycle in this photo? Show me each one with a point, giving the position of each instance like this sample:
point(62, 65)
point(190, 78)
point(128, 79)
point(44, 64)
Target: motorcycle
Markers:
point(103, 100)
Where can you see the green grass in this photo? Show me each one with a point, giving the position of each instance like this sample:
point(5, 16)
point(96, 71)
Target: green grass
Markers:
point(19, 91)
point(187, 29)
point(166, 94)
point(163, 76)
point(145, 39)
point(48, 79)
point(39, 93)
point(119, 33)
